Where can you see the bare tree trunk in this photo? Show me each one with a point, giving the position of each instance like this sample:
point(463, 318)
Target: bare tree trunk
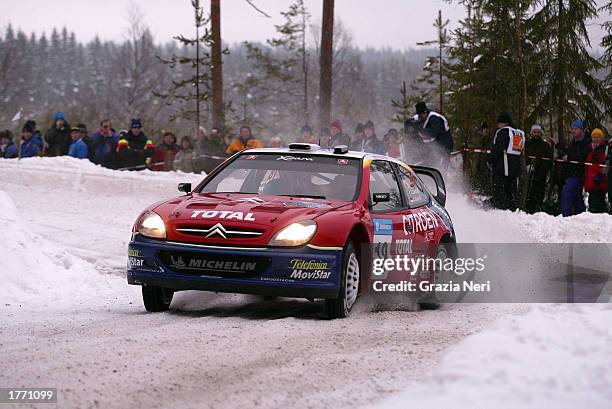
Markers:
point(325, 63)
point(440, 61)
point(216, 70)
point(305, 68)
point(197, 131)
point(522, 106)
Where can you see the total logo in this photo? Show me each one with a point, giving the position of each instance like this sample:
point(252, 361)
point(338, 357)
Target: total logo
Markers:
point(222, 214)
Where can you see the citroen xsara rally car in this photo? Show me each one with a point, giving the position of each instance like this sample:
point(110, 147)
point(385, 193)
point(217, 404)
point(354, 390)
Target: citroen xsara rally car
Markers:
point(300, 222)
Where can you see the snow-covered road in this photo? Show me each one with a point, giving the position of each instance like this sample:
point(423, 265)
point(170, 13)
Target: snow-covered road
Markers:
point(70, 321)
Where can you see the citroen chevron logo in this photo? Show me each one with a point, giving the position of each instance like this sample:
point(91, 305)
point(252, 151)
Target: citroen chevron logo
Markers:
point(217, 229)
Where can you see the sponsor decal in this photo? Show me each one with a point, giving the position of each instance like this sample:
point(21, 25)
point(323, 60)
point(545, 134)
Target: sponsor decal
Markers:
point(343, 162)
point(309, 264)
point(295, 158)
point(254, 200)
point(251, 157)
point(421, 221)
point(133, 252)
point(312, 205)
point(383, 227)
point(225, 266)
point(301, 269)
point(403, 246)
point(222, 214)
point(135, 262)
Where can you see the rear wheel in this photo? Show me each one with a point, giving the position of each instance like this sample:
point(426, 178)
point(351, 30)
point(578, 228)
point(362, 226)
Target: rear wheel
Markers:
point(430, 301)
point(349, 285)
point(156, 299)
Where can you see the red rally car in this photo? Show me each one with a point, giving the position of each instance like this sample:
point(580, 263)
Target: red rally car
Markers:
point(301, 222)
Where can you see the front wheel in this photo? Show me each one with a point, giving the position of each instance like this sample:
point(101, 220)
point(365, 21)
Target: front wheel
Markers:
point(349, 285)
point(156, 299)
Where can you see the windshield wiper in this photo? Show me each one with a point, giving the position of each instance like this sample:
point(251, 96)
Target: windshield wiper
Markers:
point(306, 196)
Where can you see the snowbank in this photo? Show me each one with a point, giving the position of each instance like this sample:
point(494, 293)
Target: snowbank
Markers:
point(553, 357)
point(36, 272)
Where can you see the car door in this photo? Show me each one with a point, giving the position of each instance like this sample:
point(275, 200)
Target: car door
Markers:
point(419, 222)
point(387, 207)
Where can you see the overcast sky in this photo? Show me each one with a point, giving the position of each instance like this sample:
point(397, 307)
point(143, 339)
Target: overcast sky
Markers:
point(398, 24)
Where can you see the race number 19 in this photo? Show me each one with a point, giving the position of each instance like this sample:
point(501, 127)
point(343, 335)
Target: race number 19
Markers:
point(28, 395)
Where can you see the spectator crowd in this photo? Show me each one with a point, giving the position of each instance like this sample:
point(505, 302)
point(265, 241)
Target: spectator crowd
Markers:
point(556, 173)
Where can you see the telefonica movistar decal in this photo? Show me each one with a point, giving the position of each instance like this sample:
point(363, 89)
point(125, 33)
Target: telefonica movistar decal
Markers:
point(309, 270)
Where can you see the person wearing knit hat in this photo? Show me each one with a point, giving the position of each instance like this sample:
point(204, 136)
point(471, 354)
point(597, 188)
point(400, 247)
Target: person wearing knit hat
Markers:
point(437, 131)
point(539, 165)
point(31, 145)
point(134, 148)
point(57, 136)
point(373, 144)
point(505, 158)
point(337, 137)
point(595, 175)
point(572, 200)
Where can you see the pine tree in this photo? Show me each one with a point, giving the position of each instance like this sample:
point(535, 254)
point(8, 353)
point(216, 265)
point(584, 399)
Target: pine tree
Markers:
point(283, 65)
point(433, 83)
point(193, 87)
point(606, 43)
point(403, 106)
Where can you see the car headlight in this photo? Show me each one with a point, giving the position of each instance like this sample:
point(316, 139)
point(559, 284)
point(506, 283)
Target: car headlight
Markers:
point(296, 234)
point(151, 224)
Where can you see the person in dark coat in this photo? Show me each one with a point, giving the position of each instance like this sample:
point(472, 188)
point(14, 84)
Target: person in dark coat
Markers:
point(358, 141)
point(505, 158)
point(31, 145)
point(58, 136)
point(337, 137)
point(134, 148)
point(8, 149)
point(372, 143)
point(103, 145)
point(538, 169)
point(572, 200)
point(596, 177)
point(438, 131)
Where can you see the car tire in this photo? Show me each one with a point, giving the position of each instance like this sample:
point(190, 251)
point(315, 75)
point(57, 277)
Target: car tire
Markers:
point(156, 299)
point(342, 306)
point(430, 301)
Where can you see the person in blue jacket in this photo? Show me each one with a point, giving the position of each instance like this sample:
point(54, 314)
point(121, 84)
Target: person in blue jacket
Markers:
point(31, 145)
point(103, 145)
point(7, 147)
point(78, 147)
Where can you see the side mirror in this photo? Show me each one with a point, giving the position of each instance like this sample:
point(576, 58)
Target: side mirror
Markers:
point(432, 178)
point(381, 197)
point(184, 187)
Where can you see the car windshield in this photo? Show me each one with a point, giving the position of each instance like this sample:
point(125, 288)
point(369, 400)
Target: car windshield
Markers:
point(297, 175)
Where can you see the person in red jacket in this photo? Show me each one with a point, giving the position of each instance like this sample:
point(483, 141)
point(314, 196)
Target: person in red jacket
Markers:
point(163, 156)
point(595, 177)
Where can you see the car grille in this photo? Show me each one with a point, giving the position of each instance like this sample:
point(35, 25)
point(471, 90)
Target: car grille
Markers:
point(219, 230)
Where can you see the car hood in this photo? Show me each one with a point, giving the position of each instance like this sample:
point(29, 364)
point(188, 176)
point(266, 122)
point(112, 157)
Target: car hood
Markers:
point(236, 219)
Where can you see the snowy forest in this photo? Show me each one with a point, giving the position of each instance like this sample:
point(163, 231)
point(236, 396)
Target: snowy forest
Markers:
point(544, 69)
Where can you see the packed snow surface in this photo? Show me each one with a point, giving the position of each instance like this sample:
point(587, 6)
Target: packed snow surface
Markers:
point(70, 321)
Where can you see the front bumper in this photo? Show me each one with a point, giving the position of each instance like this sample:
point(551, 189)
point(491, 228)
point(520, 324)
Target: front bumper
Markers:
point(302, 273)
